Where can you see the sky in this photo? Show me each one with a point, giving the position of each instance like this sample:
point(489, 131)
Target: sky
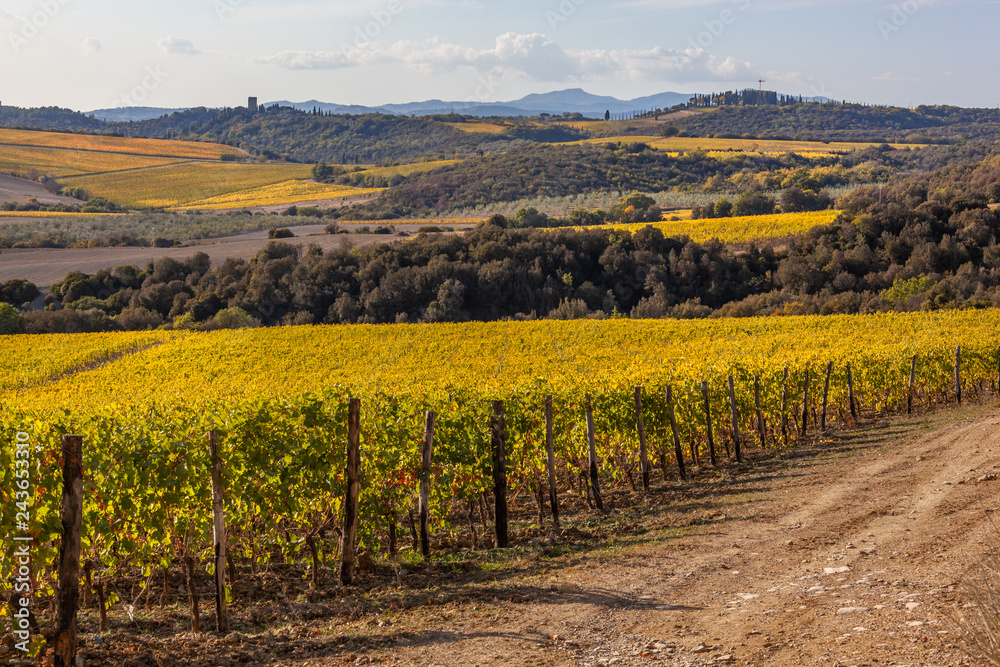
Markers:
point(94, 54)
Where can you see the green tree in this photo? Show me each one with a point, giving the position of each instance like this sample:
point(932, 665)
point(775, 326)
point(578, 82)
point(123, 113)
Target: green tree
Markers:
point(11, 321)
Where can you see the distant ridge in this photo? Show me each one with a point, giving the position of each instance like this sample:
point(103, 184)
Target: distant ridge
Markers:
point(125, 114)
point(573, 100)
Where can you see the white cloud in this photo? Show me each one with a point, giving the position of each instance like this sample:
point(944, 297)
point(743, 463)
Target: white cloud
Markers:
point(530, 56)
point(177, 46)
point(91, 46)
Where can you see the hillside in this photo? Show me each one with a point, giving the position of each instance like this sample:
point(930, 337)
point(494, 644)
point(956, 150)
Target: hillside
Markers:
point(848, 122)
point(304, 136)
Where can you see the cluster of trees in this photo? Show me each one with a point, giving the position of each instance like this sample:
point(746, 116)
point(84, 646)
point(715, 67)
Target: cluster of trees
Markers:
point(635, 207)
point(94, 205)
point(750, 202)
point(747, 97)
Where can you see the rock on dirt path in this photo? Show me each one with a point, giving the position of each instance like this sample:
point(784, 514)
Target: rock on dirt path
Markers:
point(847, 556)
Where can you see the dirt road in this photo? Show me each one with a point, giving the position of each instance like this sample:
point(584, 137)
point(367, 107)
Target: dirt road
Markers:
point(848, 553)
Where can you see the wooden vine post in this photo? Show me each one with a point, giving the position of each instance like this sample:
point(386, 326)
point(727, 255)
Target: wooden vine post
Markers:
point(805, 404)
point(913, 381)
point(218, 534)
point(958, 374)
point(998, 372)
point(708, 421)
point(425, 482)
point(643, 452)
point(68, 582)
point(678, 452)
point(784, 408)
point(826, 396)
point(595, 485)
point(353, 480)
point(498, 428)
point(850, 392)
point(736, 420)
point(760, 412)
point(550, 453)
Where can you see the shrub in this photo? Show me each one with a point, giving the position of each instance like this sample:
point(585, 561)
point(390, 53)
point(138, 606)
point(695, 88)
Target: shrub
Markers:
point(275, 233)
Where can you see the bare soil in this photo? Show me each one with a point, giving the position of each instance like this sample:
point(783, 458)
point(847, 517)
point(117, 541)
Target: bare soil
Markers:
point(847, 551)
point(47, 266)
point(20, 190)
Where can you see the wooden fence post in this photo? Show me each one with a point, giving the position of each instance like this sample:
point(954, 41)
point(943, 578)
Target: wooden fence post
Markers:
point(736, 421)
point(643, 452)
point(353, 491)
point(498, 428)
point(708, 420)
point(784, 409)
point(218, 534)
point(760, 413)
point(595, 485)
point(826, 396)
point(850, 392)
point(805, 404)
point(550, 446)
point(958, 374)
point(678, 452)
point(425, 482)
point(68, 582)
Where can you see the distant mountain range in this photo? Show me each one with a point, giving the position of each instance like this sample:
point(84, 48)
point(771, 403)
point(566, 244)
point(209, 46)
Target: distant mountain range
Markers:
point(572, 101)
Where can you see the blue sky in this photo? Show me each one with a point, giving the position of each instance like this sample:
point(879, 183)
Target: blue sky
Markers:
point(87, 54)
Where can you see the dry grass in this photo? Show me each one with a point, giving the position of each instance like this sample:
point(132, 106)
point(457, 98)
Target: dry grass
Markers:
point(480, 128)
point(408, 169)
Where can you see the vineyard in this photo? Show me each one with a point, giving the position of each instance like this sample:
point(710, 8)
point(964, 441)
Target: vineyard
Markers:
point(744, 229)
point(178, 184)
point(187, 150)
point(288, 192)
point(463, 415)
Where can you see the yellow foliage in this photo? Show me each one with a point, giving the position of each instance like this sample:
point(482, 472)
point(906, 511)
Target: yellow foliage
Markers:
point(176, 185)
point(486, 358)
point(58, 162)
point(123, 145)
point(736, 230)
point(288, 192)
